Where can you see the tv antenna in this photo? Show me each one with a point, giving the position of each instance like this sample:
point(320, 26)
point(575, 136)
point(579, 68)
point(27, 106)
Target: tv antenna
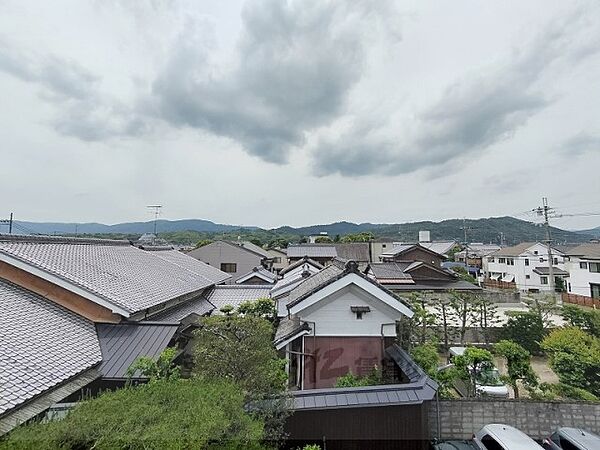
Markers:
point(155, 209)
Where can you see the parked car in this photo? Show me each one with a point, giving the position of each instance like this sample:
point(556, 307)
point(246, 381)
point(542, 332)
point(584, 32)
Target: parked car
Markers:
point(455, 445)
point(497, 436)
point(488, 383)
point(566, 438)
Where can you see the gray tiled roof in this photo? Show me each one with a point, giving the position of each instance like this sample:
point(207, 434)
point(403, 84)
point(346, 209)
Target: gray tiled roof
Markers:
point(515, 250)
point(424, 285)
point(355, 251)
point(315, 281)
point(305, 260)
point(590, 250)
point(259, 272)
point(235, 295)
point(390, 270)
point(312, 251)
point(123, 275)
point(288, 328)
point(199, 306)
point(122, 344)
point(544, 270)
point(41, 345)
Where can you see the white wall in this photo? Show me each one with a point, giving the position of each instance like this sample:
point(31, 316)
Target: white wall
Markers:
point(525, 277)
point(580, 279)
point(333, 316)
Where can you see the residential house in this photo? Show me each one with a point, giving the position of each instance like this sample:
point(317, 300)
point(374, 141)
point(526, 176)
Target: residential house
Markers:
point(583, 264)
point(360, 252)
point(526, 266)
point(413, 252)
point(258, 275)
point(76, 313)
point(473, 253)
point(279, 258)
point(337, 321)
point(236, 259)
point(417, 276)
point(321, 253)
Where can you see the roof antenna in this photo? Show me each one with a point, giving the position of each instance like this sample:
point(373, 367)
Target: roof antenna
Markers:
point(156, 210)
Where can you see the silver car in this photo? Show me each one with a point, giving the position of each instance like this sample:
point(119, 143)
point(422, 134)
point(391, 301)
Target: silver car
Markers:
point(497, 436)
point(566, 438)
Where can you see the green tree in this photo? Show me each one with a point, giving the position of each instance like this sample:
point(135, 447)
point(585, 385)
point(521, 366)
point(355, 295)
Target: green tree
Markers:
point(240, 349)
point(462, 305)
point(373, 378)
point(443, 316)
point(575, 358)
point(162, 368)
point(364, 236)
point(256, 242)
point(262, 307)
point(203, 242)
point(422, 322)
point(464, 274)
point(323, 240)
point(544, 308)
point(426, 356)
point(588, 321)
point(486, 316)
point(519, 364)
point(166, 414)
point(526, 329)
point(471, 365)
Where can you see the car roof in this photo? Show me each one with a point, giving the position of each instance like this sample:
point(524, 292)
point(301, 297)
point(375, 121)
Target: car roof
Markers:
point(457, 350)
point(455, 445)
point(510, 437)
point(581, 437)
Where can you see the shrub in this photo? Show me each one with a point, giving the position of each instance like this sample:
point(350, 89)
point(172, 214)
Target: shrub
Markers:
point(373, 378)
point(166, 414)
point(527, 330)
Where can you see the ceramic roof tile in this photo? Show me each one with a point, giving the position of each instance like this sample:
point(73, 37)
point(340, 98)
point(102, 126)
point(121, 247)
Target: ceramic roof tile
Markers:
point(41, 345)
point(311, 251)
point(235, 295)
point(123, 275)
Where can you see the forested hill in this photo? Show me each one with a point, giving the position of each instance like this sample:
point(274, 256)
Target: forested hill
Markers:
point(191, 230)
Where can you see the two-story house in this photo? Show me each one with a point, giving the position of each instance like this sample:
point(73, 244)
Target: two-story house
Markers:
point(583, 264)
point(337, 322)
point(526, 265)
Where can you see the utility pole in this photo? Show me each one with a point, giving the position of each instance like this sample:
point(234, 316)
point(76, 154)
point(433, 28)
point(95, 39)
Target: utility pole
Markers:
point(543, 211)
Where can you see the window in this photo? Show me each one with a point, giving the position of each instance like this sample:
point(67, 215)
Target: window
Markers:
point(490, 443)
point(359, 311)
point(526, 262)
point(501, 260)
point(527, 277)
point(535, 252)
point(594, 267)
point(544, 280)
point(555, 261)
point(510, 261)
point(583, 265)
point(595, 290)
point(567, 445)
point(229, 267)
point(541, 259)
point(277, 259)
point(383, 245)
point(491, 259)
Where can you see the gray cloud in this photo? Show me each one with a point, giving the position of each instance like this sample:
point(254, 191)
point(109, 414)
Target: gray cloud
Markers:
point(581, 144)
point(470, 116)
point(296, 64)
point(83, 111)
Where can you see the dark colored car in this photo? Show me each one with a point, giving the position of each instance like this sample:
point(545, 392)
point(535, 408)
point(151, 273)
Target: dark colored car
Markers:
point(455, 445)
point(566, 438)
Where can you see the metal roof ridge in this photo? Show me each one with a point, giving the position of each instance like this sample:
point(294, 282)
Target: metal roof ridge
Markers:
point(376, 388)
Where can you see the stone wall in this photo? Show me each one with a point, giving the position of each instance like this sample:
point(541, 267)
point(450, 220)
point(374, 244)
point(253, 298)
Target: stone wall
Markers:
point(459, 419)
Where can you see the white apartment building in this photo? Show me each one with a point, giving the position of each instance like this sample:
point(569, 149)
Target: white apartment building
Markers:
point(526, 265)
point(583, 264)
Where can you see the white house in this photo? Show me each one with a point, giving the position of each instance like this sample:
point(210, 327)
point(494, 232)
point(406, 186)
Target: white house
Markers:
point(583, 264)
point(526, 265)
point(338, 321)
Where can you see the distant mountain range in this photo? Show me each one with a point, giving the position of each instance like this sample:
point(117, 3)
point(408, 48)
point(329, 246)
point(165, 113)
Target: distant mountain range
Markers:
point(493, 229)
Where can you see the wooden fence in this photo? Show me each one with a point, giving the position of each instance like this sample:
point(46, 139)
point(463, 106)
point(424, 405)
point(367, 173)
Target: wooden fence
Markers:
point(580, 300)
point(498, 284)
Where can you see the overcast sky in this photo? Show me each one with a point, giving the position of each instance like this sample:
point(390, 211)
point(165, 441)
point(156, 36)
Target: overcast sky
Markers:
point(299, 112)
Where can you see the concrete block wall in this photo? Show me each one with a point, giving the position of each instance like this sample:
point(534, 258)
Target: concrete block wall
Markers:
point(459, 419)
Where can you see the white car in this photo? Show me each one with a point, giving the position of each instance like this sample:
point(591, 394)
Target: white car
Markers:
point(488, 383)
